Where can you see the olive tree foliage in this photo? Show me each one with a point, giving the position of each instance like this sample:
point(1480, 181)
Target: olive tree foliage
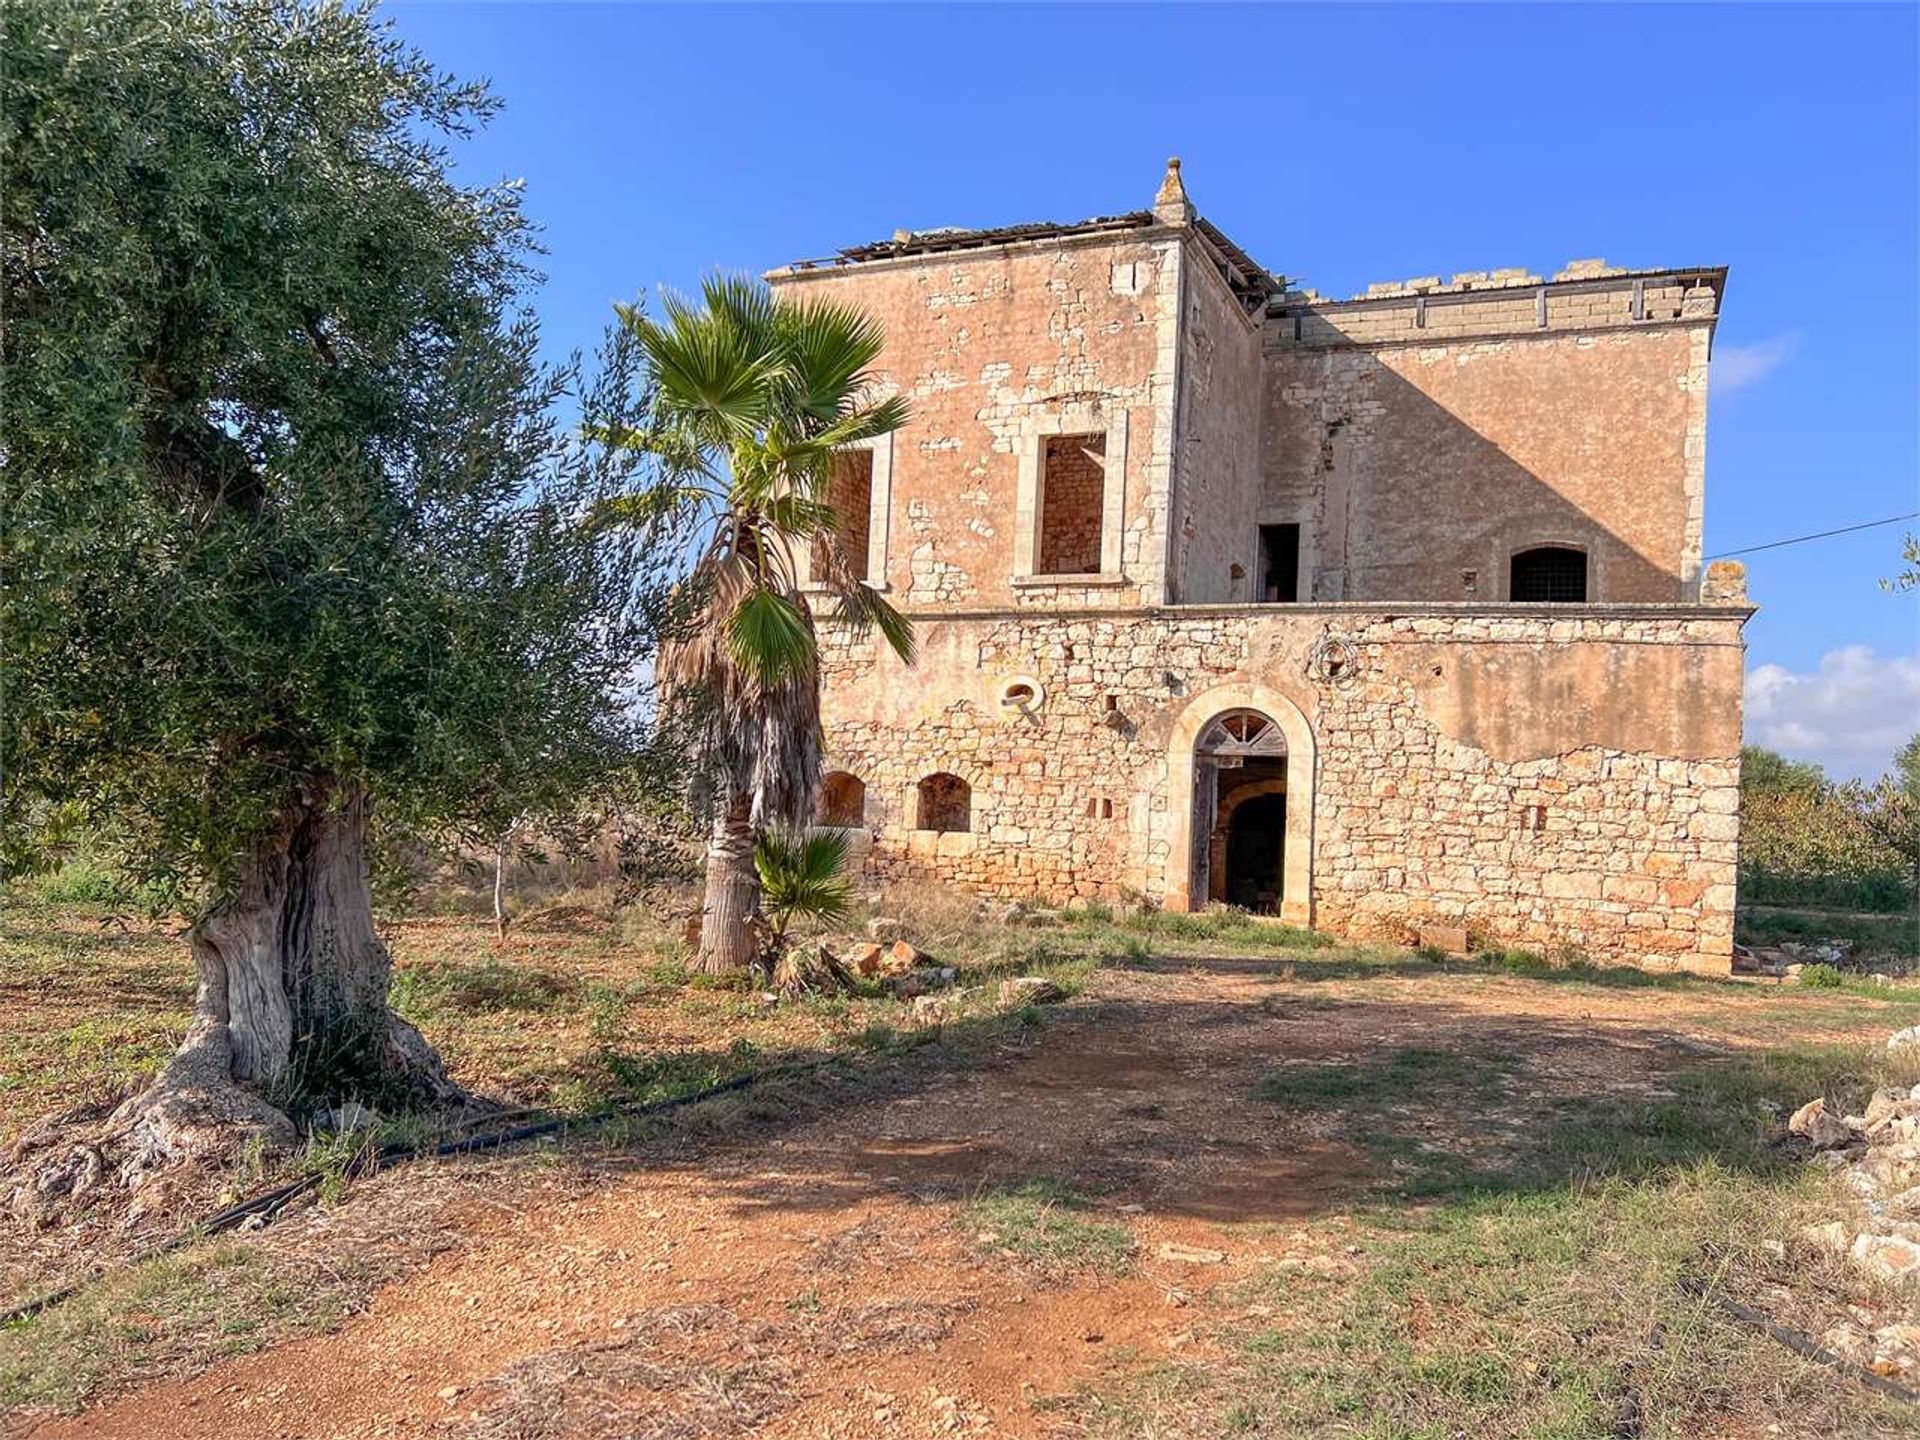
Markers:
point(293, 542)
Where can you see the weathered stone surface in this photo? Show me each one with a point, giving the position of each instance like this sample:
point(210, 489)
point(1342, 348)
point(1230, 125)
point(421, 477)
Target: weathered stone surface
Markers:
point(865, 959)
point(1826, 1132)
point(919, 982)
point(1886, 1255)
point(885, 929)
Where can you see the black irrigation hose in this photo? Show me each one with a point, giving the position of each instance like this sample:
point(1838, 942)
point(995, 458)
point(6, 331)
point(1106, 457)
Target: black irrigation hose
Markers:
point(1805, 1345)
point(271, 1202)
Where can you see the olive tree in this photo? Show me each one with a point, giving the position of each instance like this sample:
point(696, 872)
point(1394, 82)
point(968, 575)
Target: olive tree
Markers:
point(294, 543)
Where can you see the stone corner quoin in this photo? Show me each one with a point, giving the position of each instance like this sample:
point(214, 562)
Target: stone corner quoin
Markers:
point(1373, 614)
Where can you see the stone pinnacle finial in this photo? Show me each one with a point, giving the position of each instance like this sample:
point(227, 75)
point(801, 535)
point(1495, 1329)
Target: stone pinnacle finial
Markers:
point(1171, 206)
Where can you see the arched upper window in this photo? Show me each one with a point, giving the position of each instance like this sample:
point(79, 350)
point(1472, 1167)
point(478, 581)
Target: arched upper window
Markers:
point(946, 804)
point(843, 799)
point(1553, 574)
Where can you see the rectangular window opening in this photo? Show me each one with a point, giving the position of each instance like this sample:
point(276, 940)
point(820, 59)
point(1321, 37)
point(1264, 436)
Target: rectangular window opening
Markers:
point(850, 493)
point(1073, 494)
point(1279, 564)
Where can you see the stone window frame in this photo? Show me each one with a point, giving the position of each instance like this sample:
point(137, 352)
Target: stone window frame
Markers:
point(879, 517)
point(1503, 566)
point(1034, 434)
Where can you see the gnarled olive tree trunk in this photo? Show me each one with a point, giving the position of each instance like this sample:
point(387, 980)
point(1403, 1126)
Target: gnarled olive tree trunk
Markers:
point(291, 1013)
point(731, 931)
point(293, 976)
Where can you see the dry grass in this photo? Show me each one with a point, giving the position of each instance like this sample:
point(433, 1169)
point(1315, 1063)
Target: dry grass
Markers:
point(1521, 1289)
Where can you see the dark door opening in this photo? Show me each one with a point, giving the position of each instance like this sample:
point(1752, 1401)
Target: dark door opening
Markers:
point(1280, 563)
point(1256, 850)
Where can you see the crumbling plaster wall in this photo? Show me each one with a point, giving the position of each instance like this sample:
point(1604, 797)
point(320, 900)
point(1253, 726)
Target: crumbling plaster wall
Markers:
point(996, 349)
point(1418, 457)
point(1217, 477)
point(1449, 723)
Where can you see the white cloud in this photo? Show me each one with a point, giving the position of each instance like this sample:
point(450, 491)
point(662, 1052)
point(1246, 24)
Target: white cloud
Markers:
point(1850, 714)
point(1734, 367)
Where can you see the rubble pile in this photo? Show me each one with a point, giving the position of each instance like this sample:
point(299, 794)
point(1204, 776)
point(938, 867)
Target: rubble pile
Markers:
point(1876, 1157)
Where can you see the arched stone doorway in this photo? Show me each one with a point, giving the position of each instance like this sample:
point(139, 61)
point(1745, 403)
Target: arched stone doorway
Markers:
point(1240, 783)
point(1243, 758)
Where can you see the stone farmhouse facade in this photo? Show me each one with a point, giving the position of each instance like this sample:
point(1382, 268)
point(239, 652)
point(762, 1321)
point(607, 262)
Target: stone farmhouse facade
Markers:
point(1381, 615)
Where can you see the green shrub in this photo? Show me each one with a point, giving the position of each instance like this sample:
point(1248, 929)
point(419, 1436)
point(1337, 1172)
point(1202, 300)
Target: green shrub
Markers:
point(1822, 977)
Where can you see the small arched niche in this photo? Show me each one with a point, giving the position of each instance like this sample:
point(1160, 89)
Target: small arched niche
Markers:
point(843, 800)
point(945, 804)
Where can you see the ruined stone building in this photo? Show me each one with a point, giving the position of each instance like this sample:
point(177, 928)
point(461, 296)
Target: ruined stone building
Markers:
point(1378, 614)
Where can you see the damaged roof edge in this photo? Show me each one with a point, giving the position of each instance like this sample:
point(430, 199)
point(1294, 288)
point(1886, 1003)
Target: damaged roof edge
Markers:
point(1293, 302)
point(1248, 279)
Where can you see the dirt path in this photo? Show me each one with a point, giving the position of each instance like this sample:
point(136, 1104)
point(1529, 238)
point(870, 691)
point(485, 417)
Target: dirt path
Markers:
point(824, 1280)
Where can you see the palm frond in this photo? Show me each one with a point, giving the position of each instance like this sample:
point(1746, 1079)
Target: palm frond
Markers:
point(864, 608)
point(769, 639)
point(803, 875)
point(800, 517)
point(866, 422)
point(832, 344)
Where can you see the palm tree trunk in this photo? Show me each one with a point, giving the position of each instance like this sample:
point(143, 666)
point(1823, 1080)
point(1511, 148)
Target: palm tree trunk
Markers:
point(730, 929)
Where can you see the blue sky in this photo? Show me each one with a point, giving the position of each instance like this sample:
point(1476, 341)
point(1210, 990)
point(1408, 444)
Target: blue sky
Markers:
point(1340, 145)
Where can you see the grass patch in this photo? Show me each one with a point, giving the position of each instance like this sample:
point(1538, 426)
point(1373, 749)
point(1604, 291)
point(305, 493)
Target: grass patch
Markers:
point(420, 990)
point(1041, 1222)
point(1551, 1290)
point(1417, 1073)
point(215, 1300)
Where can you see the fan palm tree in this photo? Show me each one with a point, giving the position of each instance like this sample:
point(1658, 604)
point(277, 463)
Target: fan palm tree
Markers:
point(754, 397)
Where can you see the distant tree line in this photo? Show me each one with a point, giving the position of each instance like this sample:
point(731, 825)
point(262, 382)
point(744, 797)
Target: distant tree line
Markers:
point(1806, 839)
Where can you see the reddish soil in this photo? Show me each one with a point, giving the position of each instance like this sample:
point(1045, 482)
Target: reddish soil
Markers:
point(818, 1279)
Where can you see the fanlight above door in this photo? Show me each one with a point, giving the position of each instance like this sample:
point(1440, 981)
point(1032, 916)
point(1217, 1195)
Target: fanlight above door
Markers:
point(1240, 735)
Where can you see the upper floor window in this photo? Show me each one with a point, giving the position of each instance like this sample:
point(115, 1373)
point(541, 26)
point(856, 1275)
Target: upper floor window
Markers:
point(1073, 484)
point(1279, 563)
point(850, 493)
point(1551, 574)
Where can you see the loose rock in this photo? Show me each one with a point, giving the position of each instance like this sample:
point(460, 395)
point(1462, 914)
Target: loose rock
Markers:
point(1031, 990)
point(1824, 1130)
point(1886, 1255)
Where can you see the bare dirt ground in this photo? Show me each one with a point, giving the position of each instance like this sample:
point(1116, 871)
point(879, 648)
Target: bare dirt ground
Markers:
point(824, 1276)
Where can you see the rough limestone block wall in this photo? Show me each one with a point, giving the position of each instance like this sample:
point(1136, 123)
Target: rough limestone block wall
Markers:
point(1546, 779)
point(995, 350)
point(1619, 853)
point(1418, 458)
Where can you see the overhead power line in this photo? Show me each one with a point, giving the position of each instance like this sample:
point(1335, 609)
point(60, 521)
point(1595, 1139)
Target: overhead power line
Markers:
point(1821, 535)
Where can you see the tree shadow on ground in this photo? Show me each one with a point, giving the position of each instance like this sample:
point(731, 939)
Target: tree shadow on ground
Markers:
point(1240, 1112)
